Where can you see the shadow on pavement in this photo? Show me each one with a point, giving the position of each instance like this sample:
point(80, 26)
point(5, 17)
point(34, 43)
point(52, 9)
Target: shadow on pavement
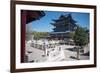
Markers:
point(72, 49)
point(74, 58)
point(86, 54)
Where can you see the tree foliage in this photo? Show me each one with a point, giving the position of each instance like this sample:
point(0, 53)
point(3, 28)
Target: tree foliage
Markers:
point(38, 35)
point(81, 36)
point(71, 34)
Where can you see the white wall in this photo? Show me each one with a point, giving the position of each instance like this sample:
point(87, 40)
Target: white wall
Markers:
point(5, 36)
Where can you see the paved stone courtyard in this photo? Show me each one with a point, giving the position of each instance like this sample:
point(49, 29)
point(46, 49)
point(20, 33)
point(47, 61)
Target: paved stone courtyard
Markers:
point(58, 53)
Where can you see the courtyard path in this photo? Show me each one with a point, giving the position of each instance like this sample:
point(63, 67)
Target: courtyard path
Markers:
point(67, 53)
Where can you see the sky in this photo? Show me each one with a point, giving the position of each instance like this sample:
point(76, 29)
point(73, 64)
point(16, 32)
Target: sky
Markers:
point(43, 25)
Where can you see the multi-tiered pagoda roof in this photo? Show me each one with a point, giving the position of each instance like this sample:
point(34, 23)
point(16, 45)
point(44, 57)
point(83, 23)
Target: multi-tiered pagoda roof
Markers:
point(64, 23)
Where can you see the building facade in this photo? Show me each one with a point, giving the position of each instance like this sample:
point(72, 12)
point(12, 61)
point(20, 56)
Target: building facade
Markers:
point(27, 16)
point(62, 26)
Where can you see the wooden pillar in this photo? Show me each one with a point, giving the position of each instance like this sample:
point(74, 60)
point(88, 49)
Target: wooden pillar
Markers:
point(23, 27)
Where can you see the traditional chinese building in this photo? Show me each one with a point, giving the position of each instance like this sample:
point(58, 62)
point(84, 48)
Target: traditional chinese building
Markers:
point(62, 26)
point(27, 16)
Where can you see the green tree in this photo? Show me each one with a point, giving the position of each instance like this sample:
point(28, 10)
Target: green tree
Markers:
point(80, 39)
point(71, 34)
point(38, 35)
